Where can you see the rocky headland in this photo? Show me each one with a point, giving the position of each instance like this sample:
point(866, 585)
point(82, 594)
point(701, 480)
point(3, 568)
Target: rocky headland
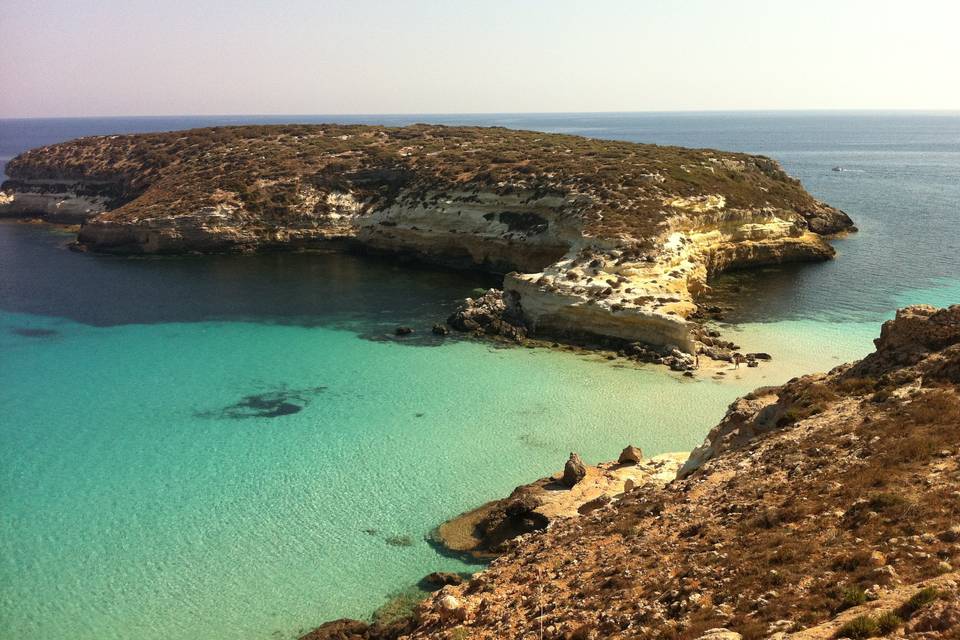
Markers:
point(828, 507)
point(594, 238)
point(485, 532)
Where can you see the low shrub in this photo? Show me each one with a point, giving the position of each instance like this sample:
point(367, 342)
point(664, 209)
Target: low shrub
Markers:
point(856, 386)
point(859, 628)
point(918, 601)
point(888, 622)
point(852, 597)
point(886, 501)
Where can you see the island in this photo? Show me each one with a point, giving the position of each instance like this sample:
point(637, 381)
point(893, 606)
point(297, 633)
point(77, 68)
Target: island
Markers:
point(594, 238)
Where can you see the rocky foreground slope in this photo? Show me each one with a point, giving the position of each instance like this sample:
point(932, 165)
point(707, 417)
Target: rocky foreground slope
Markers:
point(828, 507)
point(597, 237)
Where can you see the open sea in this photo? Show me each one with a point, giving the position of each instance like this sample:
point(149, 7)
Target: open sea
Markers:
point(238, 447)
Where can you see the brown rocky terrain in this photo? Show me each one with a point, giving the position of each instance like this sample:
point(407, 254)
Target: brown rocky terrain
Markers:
point(598, 238)
point(828, 507)
point(485, 531)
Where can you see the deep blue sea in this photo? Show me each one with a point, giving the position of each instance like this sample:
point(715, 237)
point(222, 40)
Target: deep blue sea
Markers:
point(155, 482)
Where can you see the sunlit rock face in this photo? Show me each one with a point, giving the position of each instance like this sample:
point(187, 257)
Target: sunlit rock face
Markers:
point(58, 201)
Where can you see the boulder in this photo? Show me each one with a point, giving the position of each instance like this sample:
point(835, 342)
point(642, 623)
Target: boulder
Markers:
point(720, 634)
point(440, 329)
point(908, 338)
point(343, 629)
point(440, 579)
point(450, 609)
point(885, 575)
point(717, 353)
point(403, 331)
point(630, 455)
point(574, 470)
point(493, 314)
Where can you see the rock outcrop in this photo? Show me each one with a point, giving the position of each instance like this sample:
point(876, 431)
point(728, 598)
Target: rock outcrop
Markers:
point(487, 531)
point(489, 315)
point(573, 471)
point(826, 508)
point(439, 579)
point(58, 201)
point(630, 455)
point(911, 337)
point(596, 238)
point(919, 334)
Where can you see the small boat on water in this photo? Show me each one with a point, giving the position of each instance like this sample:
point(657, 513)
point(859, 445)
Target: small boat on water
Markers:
point(838, 169)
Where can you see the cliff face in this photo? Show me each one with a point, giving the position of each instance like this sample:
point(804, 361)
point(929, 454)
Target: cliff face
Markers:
point(602, 237)
point(828, 507)
point(57, 200)
point(498, 232)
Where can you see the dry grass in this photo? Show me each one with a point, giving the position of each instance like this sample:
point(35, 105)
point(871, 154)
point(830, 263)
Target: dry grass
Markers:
point(266, 168)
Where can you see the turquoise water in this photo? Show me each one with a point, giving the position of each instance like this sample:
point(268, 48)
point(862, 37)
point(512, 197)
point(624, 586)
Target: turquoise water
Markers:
point(143, 496)
point(127, 512)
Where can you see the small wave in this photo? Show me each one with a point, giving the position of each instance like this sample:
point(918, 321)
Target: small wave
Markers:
point(845, 170)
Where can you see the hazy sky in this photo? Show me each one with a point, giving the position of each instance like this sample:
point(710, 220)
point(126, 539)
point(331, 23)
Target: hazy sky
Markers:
point(161, 57)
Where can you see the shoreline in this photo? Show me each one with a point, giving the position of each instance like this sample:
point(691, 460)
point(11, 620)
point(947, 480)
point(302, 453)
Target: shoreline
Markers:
point(677, 553)
point(580, 344)
point(535, 505)
point(597, 237)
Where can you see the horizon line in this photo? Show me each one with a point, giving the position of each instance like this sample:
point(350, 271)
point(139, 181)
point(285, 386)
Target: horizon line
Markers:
point(486, 113)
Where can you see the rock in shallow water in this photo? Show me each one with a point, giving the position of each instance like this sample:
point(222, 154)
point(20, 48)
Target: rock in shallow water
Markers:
point(343, 629)
point(439, 579)
point(271, 404)
point(490, 315)
point(28, 332)
point(399, 541)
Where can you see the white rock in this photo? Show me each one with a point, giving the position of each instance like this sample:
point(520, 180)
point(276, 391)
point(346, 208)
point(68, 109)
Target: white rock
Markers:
point(720, 634)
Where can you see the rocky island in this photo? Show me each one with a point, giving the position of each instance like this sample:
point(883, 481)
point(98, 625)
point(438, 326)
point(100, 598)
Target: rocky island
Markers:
point(594, 238)
point(828, 507)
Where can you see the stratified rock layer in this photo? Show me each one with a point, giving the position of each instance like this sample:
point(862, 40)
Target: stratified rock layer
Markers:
point(596, 237)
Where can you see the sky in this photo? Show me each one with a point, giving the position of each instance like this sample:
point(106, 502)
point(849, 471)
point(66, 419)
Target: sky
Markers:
point(206, 57)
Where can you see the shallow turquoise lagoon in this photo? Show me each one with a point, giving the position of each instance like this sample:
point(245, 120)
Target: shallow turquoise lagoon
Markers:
point(134, 507)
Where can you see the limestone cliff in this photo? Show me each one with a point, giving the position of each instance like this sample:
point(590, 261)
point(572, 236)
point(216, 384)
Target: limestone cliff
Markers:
point(58, 200)
point(601, 237)
point(825, 508)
